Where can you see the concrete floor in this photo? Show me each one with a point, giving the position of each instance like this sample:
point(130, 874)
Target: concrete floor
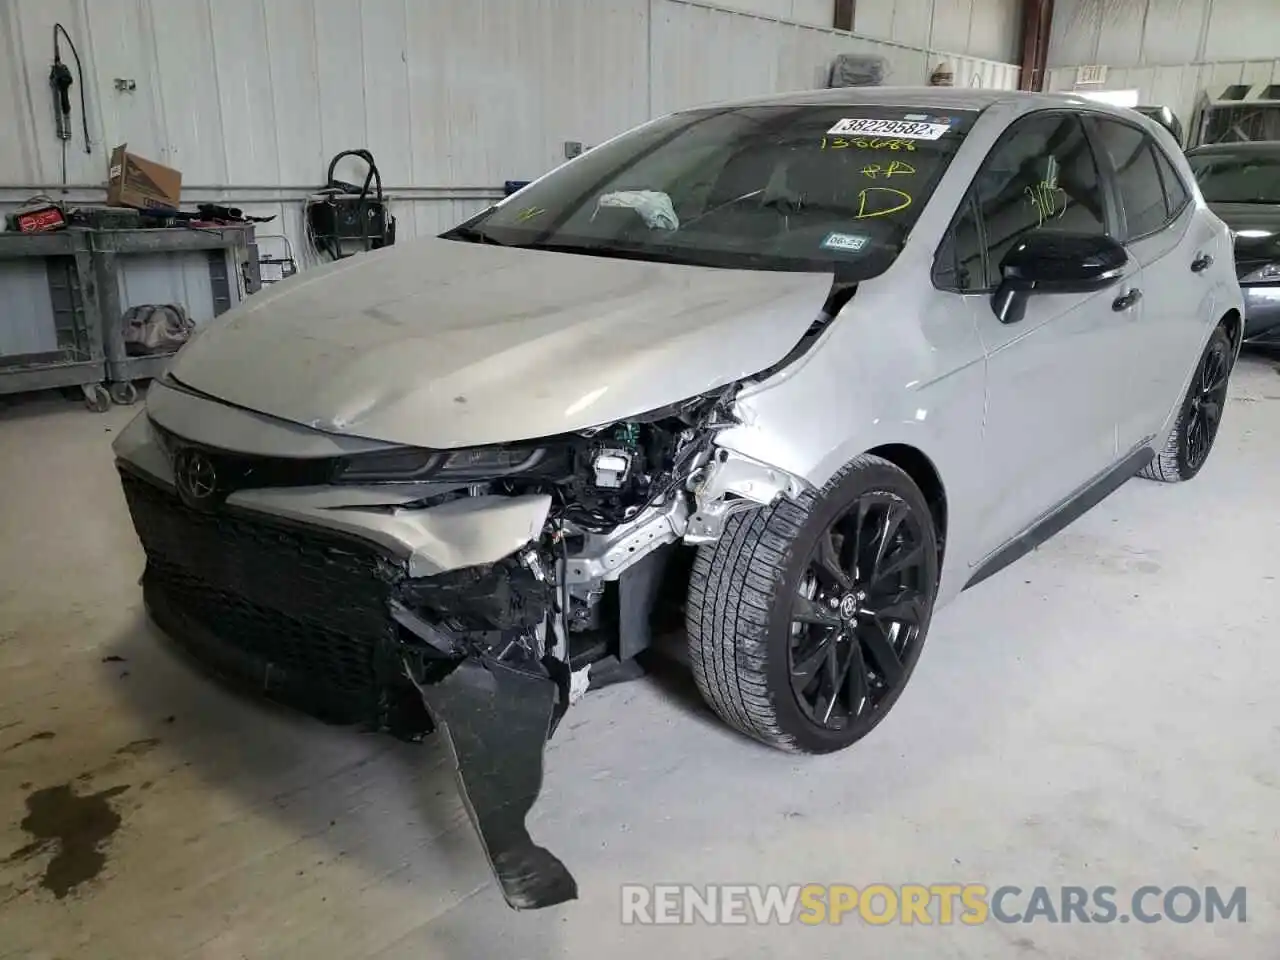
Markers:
point(1105, 712)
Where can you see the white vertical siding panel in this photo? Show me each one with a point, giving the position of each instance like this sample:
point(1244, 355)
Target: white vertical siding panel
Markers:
point(1222, 75)
point(340, 74)
point(428, 218)
point(1120, 40)
point(995, 30)
point(1077, 28)
point(1168, 87)
point(1059, 79)
point(119, 36)
point(911, 22)
point(1256, 71)
point(552, 120)
point(1190, 88)
point(244, 82)
point(816, 13)
point(294, 94)
point(950, 27)
point(873, 20)
point(1243, 30)
point(18, 161)
point(986, 74)
point(386, 83)
point(1173, 29)
point(33, 28)
point(1163, 32)
point(188, 84)
point(431, 135)
point(765, 8)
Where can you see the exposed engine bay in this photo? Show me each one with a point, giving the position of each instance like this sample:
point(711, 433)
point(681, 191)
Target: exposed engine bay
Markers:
point(569, 611)
point(583, 591)
point(619, 493)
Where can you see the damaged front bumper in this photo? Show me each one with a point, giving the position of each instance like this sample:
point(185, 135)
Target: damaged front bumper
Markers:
point(363, 605)
point(333, 602)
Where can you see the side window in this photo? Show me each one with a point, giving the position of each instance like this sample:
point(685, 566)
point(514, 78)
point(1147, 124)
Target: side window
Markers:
point(958, 265)
point(1137, 178)
point(1041, 174)
point(1176, 195)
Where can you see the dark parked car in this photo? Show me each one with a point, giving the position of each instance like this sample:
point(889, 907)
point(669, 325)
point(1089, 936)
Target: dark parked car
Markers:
point(1241, 183)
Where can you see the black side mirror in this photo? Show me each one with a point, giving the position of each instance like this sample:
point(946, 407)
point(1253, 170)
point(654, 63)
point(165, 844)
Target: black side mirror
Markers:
point(1055, 261)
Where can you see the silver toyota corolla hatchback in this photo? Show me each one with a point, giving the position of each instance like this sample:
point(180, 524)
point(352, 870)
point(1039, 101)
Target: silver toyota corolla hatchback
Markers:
point(798, 370)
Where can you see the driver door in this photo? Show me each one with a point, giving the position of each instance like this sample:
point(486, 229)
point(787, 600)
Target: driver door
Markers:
point(1055, 377)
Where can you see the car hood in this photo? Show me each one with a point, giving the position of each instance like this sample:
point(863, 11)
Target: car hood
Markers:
point(1255, 226)
point(441, 343)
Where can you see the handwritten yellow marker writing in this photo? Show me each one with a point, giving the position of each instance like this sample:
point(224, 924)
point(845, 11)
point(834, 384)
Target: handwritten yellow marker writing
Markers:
point(869, 198)
point(895, 169)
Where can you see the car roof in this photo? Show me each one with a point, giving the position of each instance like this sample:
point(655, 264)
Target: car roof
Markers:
point(938, 98)
point(1261, 147)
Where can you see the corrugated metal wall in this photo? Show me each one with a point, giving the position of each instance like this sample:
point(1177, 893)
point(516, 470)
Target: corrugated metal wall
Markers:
point(702, 54)
point(1170, 51)
point(1128, 33)
point(978, 28)
point(249, 98)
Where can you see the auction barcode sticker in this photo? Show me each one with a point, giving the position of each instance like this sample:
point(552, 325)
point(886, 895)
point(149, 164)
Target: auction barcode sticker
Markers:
point(907, 129)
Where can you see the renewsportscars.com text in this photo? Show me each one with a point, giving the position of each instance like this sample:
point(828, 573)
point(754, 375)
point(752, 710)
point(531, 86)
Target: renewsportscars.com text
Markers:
point(917, 903)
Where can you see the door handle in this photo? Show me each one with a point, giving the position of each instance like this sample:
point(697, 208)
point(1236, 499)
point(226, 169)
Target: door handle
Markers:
point(1201, 263)
point(1126, 301)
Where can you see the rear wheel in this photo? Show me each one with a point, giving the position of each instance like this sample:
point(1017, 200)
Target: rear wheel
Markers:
point(807, 618)
point(1196, 426)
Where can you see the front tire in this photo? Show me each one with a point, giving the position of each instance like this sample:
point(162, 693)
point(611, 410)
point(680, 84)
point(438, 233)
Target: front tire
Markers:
point(1199, 416)
point(806, 618)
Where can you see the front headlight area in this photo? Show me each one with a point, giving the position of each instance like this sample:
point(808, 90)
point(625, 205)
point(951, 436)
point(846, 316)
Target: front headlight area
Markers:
point(618, 494)
point(470, 465)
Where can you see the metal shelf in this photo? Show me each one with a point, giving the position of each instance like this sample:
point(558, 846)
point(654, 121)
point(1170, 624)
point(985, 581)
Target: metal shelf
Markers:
point(74, 335)
point(74, 355)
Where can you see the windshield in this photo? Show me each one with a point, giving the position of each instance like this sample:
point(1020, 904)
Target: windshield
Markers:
point(1238, 177)
point(764, 187)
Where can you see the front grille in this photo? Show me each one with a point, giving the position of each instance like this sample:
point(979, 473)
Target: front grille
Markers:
point(238, 471)
point(306, 603)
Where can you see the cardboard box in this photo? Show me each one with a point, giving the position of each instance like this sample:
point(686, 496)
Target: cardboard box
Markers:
point(133, 181)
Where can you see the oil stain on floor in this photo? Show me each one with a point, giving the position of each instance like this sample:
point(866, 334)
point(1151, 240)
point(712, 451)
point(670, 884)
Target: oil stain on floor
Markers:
point(78, 825)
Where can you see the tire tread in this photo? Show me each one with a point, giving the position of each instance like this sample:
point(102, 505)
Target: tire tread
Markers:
point(732, 589)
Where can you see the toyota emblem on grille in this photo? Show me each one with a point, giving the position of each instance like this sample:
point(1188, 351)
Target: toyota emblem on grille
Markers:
point(196, 477)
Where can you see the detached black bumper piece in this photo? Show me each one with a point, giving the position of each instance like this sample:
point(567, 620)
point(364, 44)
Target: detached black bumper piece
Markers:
point(496, 718)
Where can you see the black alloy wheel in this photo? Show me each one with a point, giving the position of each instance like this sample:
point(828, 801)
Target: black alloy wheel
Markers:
point(859, 612)
point(1199, 415)
point(1208, 397)
point(806, 618)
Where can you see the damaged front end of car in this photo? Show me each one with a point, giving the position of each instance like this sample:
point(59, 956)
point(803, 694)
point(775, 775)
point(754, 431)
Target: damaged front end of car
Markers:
point(503, 649)
point(478, 592)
